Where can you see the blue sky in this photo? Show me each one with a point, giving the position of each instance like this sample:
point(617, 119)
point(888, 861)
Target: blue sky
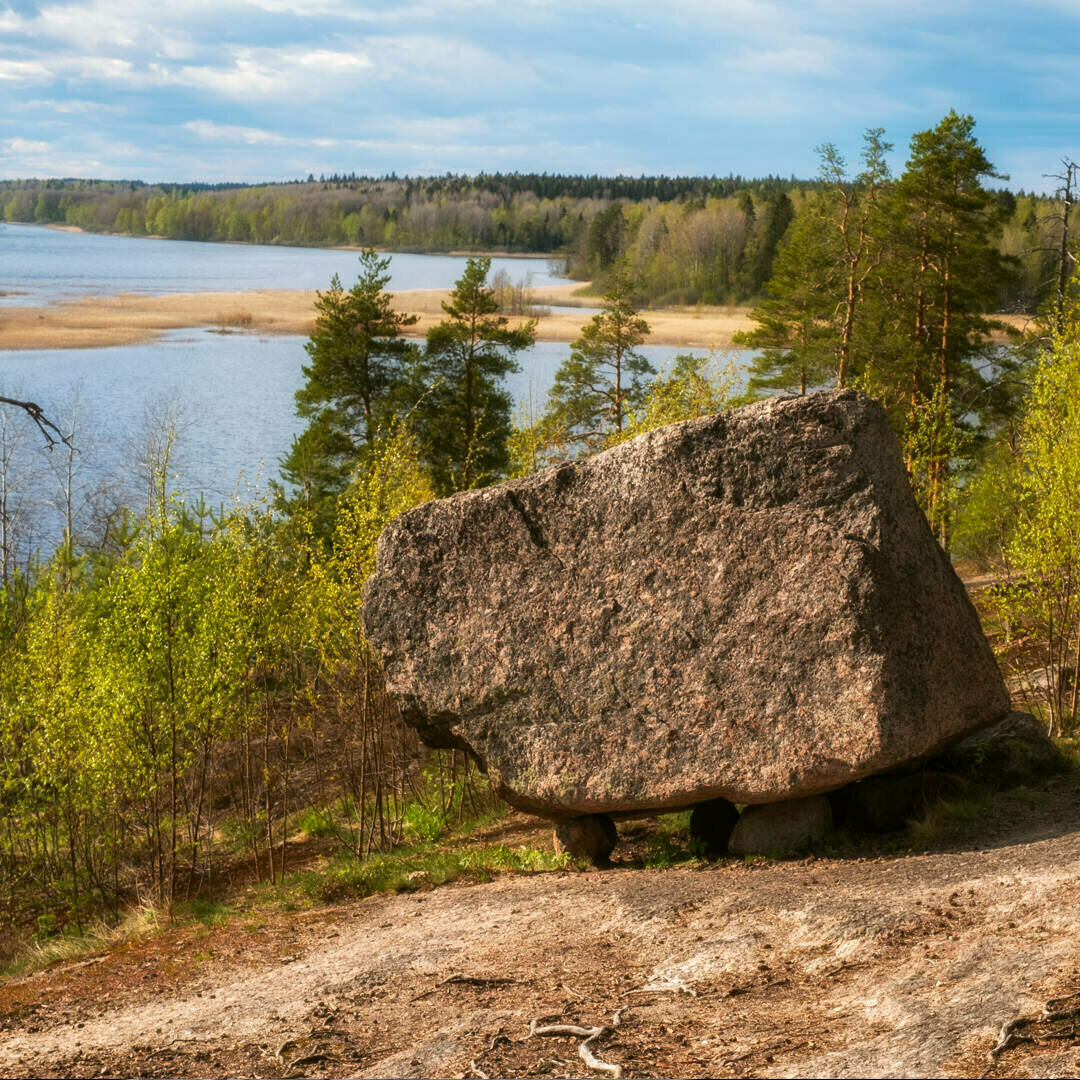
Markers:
point(236, 90)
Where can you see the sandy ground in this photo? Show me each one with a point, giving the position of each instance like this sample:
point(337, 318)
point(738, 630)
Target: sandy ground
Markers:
point(130, 320)
point(887, 965)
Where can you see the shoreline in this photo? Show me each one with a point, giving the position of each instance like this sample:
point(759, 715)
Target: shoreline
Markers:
point(492, 254)
point(127, 319)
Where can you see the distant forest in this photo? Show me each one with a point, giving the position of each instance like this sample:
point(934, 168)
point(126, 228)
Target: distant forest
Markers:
point(689, 239)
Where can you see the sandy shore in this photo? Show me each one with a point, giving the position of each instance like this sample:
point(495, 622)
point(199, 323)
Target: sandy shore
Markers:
point(131, 320)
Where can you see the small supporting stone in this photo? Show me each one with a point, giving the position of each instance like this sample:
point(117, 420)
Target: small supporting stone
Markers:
point(592, 838)
point(779, 828)
point(711, 822)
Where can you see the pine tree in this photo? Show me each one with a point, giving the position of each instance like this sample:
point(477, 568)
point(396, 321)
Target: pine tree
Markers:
point(464, 416)
point(934, 366)
point(602, 379)
point(764, 244)
point(795, 329)
point(358, 366)
point(857, 218)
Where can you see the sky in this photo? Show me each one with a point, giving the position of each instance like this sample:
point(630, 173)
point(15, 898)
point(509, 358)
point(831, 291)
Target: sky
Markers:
point(233, 90)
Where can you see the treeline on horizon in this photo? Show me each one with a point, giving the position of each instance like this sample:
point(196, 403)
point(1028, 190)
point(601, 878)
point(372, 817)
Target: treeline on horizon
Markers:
point(690, 240)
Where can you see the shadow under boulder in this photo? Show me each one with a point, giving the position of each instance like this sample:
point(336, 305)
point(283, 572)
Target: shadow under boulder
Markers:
point(881, 804)
point(592, 838)
point(1013, 751)
point(711, 824)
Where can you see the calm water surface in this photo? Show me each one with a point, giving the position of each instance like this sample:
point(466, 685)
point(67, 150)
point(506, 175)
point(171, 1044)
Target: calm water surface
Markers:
point(233, 393)
point(38, 265)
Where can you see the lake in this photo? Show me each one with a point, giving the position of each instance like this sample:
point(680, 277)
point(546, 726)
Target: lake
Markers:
point(231, 393)
point(40, 265)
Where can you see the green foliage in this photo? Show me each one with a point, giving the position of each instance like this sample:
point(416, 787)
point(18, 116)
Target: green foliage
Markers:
point(885, 285)
point(1040, 547)
point(392, 482)
point(463, 419)
point(157, 700)
point(989, 505)
point(795, 334)
point(693, 386)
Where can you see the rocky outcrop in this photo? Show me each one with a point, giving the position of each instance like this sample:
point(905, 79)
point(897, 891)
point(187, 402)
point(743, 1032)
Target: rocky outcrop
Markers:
point(1015, 750)
point(747, 606)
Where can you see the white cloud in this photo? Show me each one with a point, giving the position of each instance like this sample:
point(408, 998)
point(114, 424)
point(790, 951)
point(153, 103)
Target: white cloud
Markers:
point(251, 136)
point(329, 60)
point(24, 71)
point(11, 23)
point(287, 73)
point(25, 146)
point(107, 69)
point(207, 129)
point(75, 106)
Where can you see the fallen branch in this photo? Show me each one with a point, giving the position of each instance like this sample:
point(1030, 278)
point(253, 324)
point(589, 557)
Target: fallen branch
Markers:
point(589, 1035)
point(672, 986)
point(1008, 1036)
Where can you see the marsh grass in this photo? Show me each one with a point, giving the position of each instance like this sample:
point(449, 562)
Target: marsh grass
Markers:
point(130, 320)
point(240, 317)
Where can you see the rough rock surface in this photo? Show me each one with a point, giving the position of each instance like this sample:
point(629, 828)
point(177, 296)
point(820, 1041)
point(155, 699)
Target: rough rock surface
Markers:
point(781, 827)
point(747, 606)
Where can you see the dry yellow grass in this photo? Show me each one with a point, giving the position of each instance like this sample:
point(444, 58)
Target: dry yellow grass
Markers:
point(131, 320)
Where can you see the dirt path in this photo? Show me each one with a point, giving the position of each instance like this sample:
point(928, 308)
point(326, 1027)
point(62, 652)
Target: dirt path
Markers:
point(890, 966)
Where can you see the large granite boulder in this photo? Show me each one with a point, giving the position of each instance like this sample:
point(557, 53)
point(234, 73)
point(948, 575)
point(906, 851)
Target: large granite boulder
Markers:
point(748, 606)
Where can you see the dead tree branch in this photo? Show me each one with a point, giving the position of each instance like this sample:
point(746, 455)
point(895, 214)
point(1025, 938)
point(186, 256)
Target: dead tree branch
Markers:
point(53, 435)
point(1009, 1034)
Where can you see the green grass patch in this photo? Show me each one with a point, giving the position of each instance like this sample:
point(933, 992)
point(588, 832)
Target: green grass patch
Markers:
point(202, 910)
point(671, 842)
point(1069, 746)
point(413, 868)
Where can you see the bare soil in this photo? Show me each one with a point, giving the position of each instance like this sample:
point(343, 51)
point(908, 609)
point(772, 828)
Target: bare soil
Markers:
point(881, 964)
